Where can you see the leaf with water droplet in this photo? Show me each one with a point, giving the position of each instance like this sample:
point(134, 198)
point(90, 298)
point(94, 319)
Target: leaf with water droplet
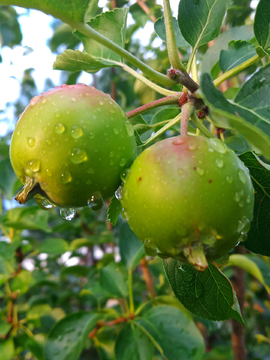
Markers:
point(114, 210)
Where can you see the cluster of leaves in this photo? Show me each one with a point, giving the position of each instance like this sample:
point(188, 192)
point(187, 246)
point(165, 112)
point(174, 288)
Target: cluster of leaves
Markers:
point(101, 308)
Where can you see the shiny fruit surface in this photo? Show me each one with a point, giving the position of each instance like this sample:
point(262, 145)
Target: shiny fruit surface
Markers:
point(190, 198)
point(72, 143)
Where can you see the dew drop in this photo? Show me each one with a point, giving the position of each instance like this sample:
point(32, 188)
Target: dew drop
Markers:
point(88, 182)
point(180, 171)
point(129, 128)
point(229, 179)
point(91, 135)
point(101, 102)
point(76, 132)
point(237, 197)
point(34, 165)
point(116, 131)
point(48, 172)
point(67, 213)
point(242, 176)
point(217, 145)
point(44, 101)
point(241, 204)
point(18, 133)
point(78, 156)
point(199, 171)
point(57, 115)
point(35, 100)
point(44, 128)
point(112, 162)
point(59, 128)
point(48, 142)
point(124, 174)
point(219, 163)
point(74, 99)
point(95, 202)
point(123, 162)
point(118, 193)
point(66, 177)
point(248, 199)
point(111, 155)
point(192, 147)
point(244, 224)
point(31, 141)
point(90, 171)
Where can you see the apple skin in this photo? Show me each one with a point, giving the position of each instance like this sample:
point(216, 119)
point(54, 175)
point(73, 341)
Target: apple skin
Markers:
point(72, 142)
point(185, 194)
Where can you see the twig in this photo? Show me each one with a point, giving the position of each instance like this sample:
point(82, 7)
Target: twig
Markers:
point(238, 337)
point(147, 278)
point(145, 8)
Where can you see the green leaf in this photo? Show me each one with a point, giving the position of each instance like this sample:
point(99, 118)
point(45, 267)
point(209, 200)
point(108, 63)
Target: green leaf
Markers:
point(200, 21)
point(68, 11)
point(10, 31)
point(22, 282)
point(4, 327)
point(76, 270)
point(5, 270)
point(254, 94)
point(8, 179)
point(168, 113)
point(207, 294)
point(7, 349)
point(53, 246)
point(114, 210)
point(63, 35)
point(238, 52)
point(129, 244)
point(133, 344)
point(30, 218)
point(114, 280)
point(221, 43)
point(140, 16)
point(161, 32)
point(69, 335)
point(36, 348)
point(76, 60)
point(228, 115)
point(137, 258)
point(262, 24)
point(237, 143)
point(112, 25)
point(264, 269)
point(247, 264)
point(175, 332)
point(258, 235)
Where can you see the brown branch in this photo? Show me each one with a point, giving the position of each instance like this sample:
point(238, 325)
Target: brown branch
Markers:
point(147, 278)
point(102, 323)
point(146, 10)
point(238, 336)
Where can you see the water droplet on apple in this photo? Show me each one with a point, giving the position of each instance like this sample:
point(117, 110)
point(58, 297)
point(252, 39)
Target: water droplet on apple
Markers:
point(123, 162)
point(78, 156)
point(59, 128)
point(118, 193)
point(67, 213)
point(66, 177)
point(76, 132)
point(219, 163)
point(31, 141)
point(95, 202)
point(242, 176)
point(199, 171)
point(129, 128)
point(217, 145)
point(229, 179)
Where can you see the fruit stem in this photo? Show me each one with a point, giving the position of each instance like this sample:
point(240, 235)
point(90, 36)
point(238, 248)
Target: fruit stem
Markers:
point(187, 110)
point(237, 69)
point(23, 195)
point(196, 257)
point(170, 36)
point(163, 129)
point(147, 82)
point(200, 126)
point(130, 292)
point(86, 30)
point(169, 100)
